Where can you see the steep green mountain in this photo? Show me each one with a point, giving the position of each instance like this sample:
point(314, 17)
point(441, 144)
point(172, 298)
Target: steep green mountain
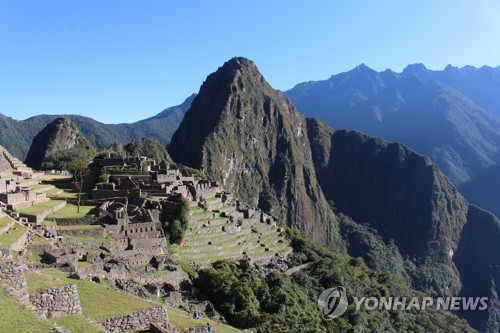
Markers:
point(251, 139)
point(428, 116)
point(478, 260)
point(484, 190)
point(398, 193)
point(403, 216)
point(148, 147)
point(16, 136)
point(58, 142)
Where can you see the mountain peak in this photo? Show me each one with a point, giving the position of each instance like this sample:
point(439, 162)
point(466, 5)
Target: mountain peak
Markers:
point(58, 142)
point(239, 66)
point(245, 135)
point(417, 69)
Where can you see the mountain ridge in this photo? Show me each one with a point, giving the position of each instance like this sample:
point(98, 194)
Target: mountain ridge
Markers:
point(428, 115)
point(17, 135)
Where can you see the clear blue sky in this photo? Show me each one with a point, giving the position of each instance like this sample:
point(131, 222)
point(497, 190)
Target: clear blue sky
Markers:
point(122, 61)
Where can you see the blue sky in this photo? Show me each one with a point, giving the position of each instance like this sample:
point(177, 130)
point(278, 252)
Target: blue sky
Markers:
point(122, 61)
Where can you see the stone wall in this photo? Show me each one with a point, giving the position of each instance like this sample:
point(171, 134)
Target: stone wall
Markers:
point(57, 301)
point(159, 328)
point(143, 230)
point(82, 232)
point(77, 221)
point(138, 319)
point(40, 217)
point(147, 243)
point(39, 249)
point(12, 278)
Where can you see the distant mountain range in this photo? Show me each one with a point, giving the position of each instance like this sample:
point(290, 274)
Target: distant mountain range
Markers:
point(450, 115)
point(16, 136)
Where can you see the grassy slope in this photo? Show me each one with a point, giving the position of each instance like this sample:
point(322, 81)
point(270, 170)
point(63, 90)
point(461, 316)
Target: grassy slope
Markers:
point(14, 233)
point(16, 318)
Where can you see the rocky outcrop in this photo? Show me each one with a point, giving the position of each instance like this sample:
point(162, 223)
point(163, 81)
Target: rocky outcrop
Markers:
point(57, 143)
point(247, 136)
point(57, 301)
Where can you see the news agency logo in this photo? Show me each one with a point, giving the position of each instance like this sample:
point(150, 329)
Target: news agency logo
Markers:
point(333, 303)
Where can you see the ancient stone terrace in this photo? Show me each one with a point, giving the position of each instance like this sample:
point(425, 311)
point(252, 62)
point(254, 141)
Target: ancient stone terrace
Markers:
point(219, 230)
point(158, 180)
point(15, 163)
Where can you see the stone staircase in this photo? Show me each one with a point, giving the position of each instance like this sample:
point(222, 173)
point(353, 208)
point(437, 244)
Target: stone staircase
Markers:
point(15, 163)
point(214, 233)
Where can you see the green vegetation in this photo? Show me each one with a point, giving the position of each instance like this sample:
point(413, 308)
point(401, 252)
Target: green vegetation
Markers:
point(75, 324)
point(148, 147)
point(71, 211)
point(41, 207)
point(5, 221)
point(16, 318)
point(9, 237)
point(98, 301)
point(182, 320)
point(60, 142)
point(364, 241)
point(282, 303)
point(79, 227)
point(186, 267)
point(175, 221)
point(39, 282)
point(78, 166)
point(196, 172)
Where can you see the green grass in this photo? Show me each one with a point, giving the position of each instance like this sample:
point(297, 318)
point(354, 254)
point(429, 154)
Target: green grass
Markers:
point(36, 258)
point(37, 282)
point(70, 211)
point(100, 302)
point(79, 227)
point(49, 223)
point(186, 267)
point(41, 207)
point(182, 320)
point(75, 324)
point(64, 183)
point(38, 186)
point(16, 318)
point(4, 221)
point(53, 191)
point(41, 241)
point(14, 233)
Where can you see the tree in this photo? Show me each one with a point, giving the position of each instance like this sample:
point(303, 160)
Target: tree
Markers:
point(78, 168)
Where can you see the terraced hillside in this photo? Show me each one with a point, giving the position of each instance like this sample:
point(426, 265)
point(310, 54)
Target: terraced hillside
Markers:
point(217, 230)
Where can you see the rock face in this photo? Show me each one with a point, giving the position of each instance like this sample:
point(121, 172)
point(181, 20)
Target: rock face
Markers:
point(56, 143)
point(57, 301)
point(478, 260)
point(397, 192)
point(252, 140)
